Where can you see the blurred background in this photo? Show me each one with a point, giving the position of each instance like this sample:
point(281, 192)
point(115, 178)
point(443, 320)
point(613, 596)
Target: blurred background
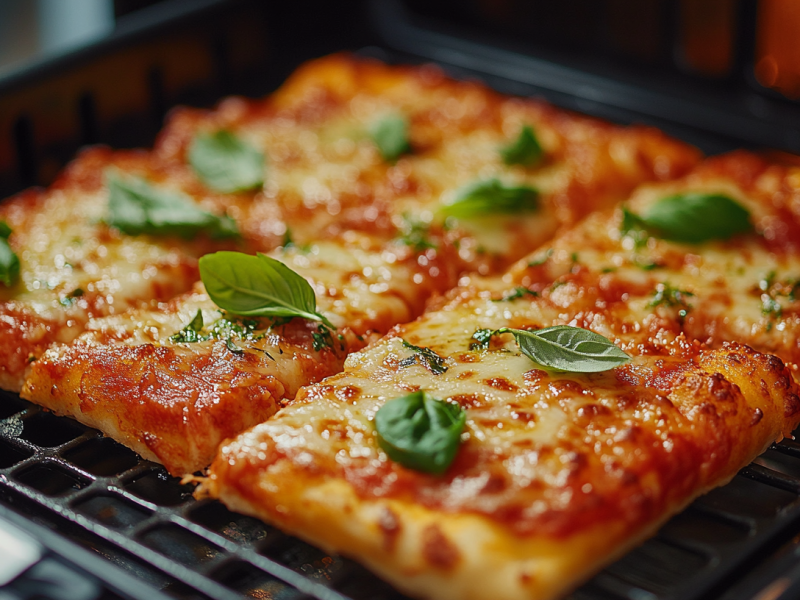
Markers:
point(720, 74)
point(707, 38)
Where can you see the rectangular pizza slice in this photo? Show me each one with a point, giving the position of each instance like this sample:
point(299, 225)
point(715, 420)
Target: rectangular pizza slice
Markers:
point(554, 473)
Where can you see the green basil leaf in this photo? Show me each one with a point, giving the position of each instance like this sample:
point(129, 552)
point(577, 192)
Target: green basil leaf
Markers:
point(390, 135)
point(525, 150)
point(491, 196)
point(225, 163)
point(258, 286)
point(693, 217)
point(136, 207)
point(9, 261)
point(567, 348)
point(420, 432)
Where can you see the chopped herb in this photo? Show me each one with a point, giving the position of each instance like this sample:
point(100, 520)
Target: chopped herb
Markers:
point(225, 329)
point(518, 292)
point(324, 339)
point(608, 269)
point(190, 332)
point(414, 234)
point(9, 261)
point(767, 282)
point(541, 258)
point(482, 338)
point(646, 265)
point(425, 357)
point(770, 307)
point(666, 295)
point(525, 150)
point(772, 290)
point(69, 299)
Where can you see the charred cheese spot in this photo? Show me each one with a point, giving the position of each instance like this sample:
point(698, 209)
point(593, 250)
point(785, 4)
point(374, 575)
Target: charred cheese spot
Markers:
point(438, 550)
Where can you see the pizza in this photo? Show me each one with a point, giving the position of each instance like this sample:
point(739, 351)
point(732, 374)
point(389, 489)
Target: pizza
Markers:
point(378, 185)
point(540, 423)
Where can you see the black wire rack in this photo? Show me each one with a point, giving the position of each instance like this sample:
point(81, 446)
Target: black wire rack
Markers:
point(102, 496)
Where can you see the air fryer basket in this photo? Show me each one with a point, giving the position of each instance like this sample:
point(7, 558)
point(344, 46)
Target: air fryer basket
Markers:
point(82, 496)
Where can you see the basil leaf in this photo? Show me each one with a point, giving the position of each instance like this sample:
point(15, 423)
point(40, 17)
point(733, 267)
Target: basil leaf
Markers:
point(567, 348)
point(258, 286)
point(225, 163)
point(420, 432)
point(489, 197)
point(9, 261)
point(390, 135)
point(693, 217)
point(136, 207)
point(525, 150)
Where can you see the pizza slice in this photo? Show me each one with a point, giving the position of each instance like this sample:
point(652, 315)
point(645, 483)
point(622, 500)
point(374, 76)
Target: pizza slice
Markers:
point(386, 184)
point(354, 144)
point(553, 473)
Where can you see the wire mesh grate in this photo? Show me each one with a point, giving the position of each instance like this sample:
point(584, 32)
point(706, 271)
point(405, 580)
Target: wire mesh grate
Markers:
point(134, 514)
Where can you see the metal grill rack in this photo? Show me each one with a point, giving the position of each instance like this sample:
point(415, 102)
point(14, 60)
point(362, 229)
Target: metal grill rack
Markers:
point(105, 498)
